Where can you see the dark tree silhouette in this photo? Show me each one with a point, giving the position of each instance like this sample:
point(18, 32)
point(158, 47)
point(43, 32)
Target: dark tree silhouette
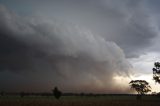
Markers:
point(22, 94)
point(141, 86)
point(156, 72)
point(57, 93)
point(2, 93)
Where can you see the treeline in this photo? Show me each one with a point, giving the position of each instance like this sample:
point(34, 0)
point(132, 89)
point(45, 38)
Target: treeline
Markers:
point(22, 94)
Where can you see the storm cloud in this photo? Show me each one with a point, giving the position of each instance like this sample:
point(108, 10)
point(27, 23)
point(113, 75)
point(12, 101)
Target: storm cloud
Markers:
point(124, 22)
point(72, 54)
point(77, 46)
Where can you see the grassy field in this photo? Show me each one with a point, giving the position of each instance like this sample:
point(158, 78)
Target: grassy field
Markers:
point(79, 101)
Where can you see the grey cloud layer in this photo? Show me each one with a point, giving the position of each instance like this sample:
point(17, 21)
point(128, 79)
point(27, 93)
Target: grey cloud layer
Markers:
point(81, 53)
point(71, 56)
point(129, 23)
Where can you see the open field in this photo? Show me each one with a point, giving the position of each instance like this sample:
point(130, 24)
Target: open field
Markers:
point(79, 101)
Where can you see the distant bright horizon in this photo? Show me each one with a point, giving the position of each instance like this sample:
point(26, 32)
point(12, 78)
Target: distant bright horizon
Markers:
point(92, 46)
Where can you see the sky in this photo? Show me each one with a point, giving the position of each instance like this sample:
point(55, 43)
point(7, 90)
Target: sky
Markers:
point(94, 46)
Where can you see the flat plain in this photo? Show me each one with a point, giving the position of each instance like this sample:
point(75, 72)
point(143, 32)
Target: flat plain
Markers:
point(79, 101)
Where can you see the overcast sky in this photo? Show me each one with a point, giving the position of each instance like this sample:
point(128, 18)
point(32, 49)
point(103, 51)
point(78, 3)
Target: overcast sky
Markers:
point(77, 45)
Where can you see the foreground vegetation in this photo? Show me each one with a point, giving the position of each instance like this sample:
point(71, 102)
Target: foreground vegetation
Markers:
point(109, 100)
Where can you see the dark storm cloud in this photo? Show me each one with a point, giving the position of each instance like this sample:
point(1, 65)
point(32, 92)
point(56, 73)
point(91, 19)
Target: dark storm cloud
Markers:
point(84, 52)
point(123, 22)
point(129, 23)
point(65, 54)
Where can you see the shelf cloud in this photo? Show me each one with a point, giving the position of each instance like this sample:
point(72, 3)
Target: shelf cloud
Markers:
point(77, 46)
point(74, 55)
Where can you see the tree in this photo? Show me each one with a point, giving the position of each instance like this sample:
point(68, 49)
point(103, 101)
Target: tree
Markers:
point(141, 86)
point(22, 94)
point(2, 93)
point(57, 93)
point(156, 72)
